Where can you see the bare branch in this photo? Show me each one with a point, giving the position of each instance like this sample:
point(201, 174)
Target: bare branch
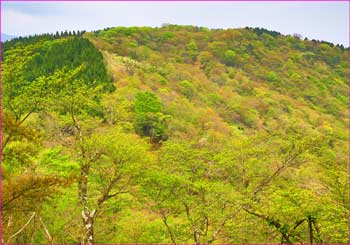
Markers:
point(20, 230)
point(46, 230)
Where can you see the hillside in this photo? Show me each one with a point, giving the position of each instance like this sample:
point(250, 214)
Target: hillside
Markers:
point(178, 134)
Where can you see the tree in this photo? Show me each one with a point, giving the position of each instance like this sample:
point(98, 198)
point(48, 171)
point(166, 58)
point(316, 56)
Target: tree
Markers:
point(258, 192)
point(77, 100)
point(150, 121)
point(182, 193)
point(25, 194)
point(230, 57)
point(114, 159)
point(192, 50)
point(187, 89)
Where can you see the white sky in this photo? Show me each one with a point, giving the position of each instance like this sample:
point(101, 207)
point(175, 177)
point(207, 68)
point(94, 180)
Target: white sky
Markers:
point(316, 20)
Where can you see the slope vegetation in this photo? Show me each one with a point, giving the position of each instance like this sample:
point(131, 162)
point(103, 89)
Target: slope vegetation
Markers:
point(178, 134)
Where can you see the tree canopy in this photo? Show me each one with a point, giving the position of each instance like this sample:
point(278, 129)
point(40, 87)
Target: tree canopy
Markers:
point(177, 134)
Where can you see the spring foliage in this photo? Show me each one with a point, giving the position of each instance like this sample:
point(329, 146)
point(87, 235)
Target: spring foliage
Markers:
point(178, 134)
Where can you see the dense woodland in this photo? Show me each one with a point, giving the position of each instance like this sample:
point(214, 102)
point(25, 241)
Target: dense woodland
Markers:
point(178, 134)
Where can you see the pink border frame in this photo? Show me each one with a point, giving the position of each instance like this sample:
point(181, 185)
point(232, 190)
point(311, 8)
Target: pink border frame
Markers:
point(175, 1)
point(348, 162)
point(0, 125)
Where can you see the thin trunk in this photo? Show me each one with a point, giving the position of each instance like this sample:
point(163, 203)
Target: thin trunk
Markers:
point(317, 231)
point(22, 228)
point(83, 183)
point(311, 236)
point(4, 144)
point(196, 237)
point(194, 229)
point(88, 217)
point(33, 231)
point(47, 233)
point(165, 221)
point(9, 222)
point(88, 220)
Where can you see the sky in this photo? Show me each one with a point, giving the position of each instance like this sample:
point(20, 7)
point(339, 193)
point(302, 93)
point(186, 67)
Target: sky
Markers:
point(327, 21)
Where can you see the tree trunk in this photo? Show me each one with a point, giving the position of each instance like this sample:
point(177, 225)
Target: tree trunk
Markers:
point(88, 220)
point(165, 221)
point(87, 215)
point(83, 184)
point(311, 236)
point(196, 237)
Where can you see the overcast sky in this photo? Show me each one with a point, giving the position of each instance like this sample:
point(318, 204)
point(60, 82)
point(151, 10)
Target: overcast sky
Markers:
point(316, 20)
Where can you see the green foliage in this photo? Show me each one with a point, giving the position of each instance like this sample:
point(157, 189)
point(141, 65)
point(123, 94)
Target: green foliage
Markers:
point(147, 102)
point(247, 130)
point(187, 88)
point(230, 57)
point(167, 36)
point(149, 120)
point(218, 48)
point(192, 49)
point(54, 162)
point(271, 76)
point(69, 53)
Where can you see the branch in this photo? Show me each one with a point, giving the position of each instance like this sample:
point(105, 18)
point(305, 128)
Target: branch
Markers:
point(6, 142)
point(267, 180)
point(285, 164)
point(298, 223)
point(216, 232)
point(46, 230)
point(25, 117)
point(165, 221)
point(317, 230)
point(20, 230)
point(10, 136)
point(275, 223)
point(105, 196)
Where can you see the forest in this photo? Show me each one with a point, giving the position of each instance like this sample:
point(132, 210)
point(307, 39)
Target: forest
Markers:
point(174, 135)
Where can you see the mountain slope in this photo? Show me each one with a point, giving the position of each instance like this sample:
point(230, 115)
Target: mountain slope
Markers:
point(177, 134)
